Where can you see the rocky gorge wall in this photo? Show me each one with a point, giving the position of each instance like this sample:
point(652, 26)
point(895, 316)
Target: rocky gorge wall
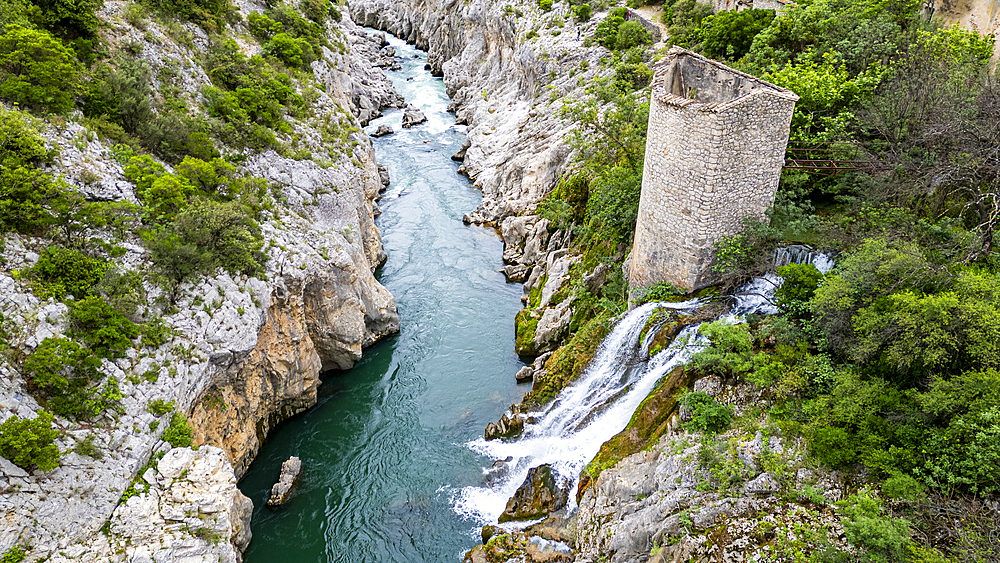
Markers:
point(245, 353)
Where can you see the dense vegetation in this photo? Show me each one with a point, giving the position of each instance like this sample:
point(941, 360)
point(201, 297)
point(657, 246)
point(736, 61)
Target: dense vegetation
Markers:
point(888, 365)
point(196, 214)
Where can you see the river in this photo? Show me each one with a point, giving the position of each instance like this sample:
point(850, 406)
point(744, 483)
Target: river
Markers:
point(385, 451)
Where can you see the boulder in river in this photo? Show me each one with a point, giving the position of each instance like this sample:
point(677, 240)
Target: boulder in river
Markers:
point(538, 496)
point(460, 155)
point(291, 469)
point(412, 116)
point(383, 130)
point(506, 427)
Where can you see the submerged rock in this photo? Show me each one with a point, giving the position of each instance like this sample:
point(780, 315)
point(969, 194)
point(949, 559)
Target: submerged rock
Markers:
point(412, 116)
point(291, 469)
point(538, 496)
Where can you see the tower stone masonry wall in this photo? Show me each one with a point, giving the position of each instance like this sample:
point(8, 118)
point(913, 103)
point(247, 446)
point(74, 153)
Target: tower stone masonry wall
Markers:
point(715, 147)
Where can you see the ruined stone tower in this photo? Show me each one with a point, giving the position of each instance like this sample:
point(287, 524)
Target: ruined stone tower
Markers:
point(714, 151)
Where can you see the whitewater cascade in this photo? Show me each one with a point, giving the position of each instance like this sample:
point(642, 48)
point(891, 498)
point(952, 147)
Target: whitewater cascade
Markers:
point(569, 432)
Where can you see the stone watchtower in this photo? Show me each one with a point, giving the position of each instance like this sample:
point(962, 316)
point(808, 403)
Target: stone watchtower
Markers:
point(715, 147)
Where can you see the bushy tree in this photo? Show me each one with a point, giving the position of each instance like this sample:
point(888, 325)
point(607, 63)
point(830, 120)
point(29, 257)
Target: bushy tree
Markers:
point(729, 34)
point(30, 443)
point(106, 331)
point(36, 70)
point(66, 374)
point(65, 271)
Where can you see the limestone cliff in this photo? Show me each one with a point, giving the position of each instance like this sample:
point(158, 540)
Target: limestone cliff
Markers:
point(245, 352)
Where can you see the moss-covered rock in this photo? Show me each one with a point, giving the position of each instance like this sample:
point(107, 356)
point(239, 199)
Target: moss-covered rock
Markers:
point(648, 424)
point(524, 333)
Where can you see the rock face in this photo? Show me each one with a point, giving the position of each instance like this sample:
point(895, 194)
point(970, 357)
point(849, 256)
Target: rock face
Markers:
point(245, 352)
point(665, 497)
point(291, 469)
point(538, 496)
point(506, 86)
point(189, 510)
point(383, 130)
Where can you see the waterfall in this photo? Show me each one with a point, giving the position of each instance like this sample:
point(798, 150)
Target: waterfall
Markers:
point(802, 254)
point(569, 432)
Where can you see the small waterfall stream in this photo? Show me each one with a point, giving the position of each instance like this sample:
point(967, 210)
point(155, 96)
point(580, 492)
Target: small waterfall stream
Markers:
point(569, 432)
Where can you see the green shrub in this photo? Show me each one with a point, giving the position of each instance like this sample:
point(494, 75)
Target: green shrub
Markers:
point(731, 350)
point(65, 271)
point(707, 414)
point(545, 5)
point(67, 376)
point(316, 10)
point(606, 32)
point(663, 291)
point(263, 27)
point(36, 70)
point(632, 76)
point(582, 12)
point(123, 93)
point(631, 34)
point(886, 539)
point(797, 289)
point(179, 433)
point(89, 447)
point(296, 53)
point(108, 333)
point(729, 34)
point(70, 18)
point(15, 554)
point(30, 443)
point(160, 407)
point(833, 446)
point(900, 486)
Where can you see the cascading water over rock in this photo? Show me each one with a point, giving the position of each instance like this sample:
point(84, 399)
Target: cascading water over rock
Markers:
point(569, 432)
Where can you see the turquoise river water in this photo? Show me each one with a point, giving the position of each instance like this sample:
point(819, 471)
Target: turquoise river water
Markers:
point(385, 452)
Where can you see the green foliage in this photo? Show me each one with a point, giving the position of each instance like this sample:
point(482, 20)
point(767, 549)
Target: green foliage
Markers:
point(707, 414)
point(160, 407)
point(582, 12)
point(900, 486)
point(729, 34)
point(797, 288)
point(122, 93)
point(36, 70)
point(65, 271)
point(67, 375)
point(294, 52)
point(206, 236)
point(15, 554)
point(730, 353)
point(29, 443)
point(632, 76)
point(89, 447)
point(662, 291)
point(316, 10)
point(179, 433)
point(684, 18)
point(545, 5)
point(69, 18)
point(827, 92)
point(209, 14)
point(885, 538)
point(745, 255)
point(263, 27)
point(569, 361)
point(106, 331)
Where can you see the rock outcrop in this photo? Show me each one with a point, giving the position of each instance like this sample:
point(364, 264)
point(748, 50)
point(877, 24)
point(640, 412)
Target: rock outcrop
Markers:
point(291, 469)
point(539, 496)
point(186, 509)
